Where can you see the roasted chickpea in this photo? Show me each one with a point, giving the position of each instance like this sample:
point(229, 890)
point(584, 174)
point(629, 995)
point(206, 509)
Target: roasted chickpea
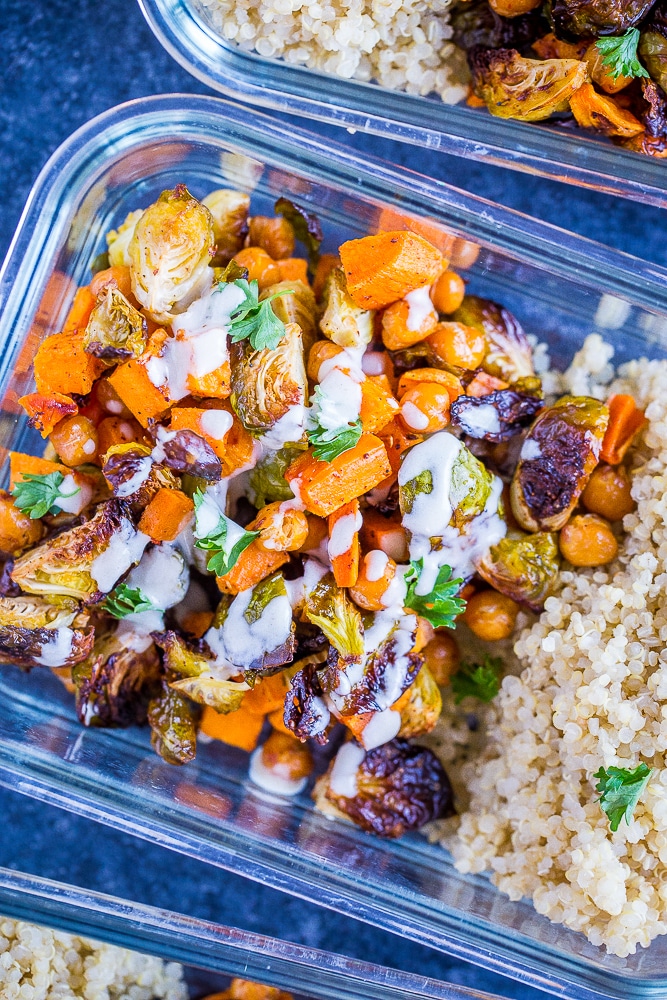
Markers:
point(458, 344)
point(321, 351)
point(17, 530)
point(75, 440)
point(117, 430)
point(464, 254)
point(109, 399)
point(261, 267)
point(491, 615)
point(376, 571)
point(425, 407)
point(608, 494)
point(281, 529)
point(587, 540)
point(286, 757)
point(448, 292)
point(276, 235)
point(442, 657)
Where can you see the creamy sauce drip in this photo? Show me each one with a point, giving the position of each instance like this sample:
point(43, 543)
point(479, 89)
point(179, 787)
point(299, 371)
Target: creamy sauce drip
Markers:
point(342, 535)
point(56, 651)
point(343, 777)
point(162, 576)
point(420, 309)
point(269, 780)
point(240, 643)
point(125, 548)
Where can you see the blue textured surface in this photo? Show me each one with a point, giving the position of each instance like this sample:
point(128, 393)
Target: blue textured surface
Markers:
point(64, 62)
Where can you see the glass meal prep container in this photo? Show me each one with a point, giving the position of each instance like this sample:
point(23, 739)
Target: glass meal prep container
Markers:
point(212, 954)
point(554, 281)
point(183, 27)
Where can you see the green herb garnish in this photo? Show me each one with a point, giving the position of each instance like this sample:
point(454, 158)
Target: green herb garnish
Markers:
point(254, 320)
point(620, 54)
point(124, 601)
point(223, 557)
point(620, 789)
point(478, 680)
point(39, 495)
point(441, 605)
point(330, 442)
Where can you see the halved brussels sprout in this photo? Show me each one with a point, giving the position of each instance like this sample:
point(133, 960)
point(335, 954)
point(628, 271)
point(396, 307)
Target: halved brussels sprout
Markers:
point(86, 561)
point(524, 567)
point(229, 211)
point(497, 416)
point(529, 90)
point(187, 453)
point(420, 706)
point(476, 23)
point(509, 355)
point(267, 483)
point(115, 682)
point(329, 607)
point(118, 240)
point(222, 695)
point(387, 791)
point(173, 720)
point(116, 330)
point(592, 18)
point(267, 383)
point(298, 306)
point(183, 657)
point(37, 613)
point(470, 487)
point(654, 115)
point(47, 647)
point(558, 455)
point(344, 322)
point(306, 713)
point(170, 253)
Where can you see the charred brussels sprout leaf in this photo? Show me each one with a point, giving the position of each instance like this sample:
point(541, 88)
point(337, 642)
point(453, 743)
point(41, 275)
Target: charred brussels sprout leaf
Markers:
point(254, 320)
point(262, 595)
point(440, 605)
point(267, 479)
point(187, 452)
point(422, 708)
point(305, 713)
point(231, 273)
point(36, 613)
point(113, 685)
point(509, 355)
point(529, 90)
point(470, 487)
point(423, 483)
point(497, 416)
point(183, 657)
point(306, 226)
point(116, 330)
point(333, 612)
point(478, 680)
point(620, 790)
point(474, 22)
point(223, 695)
point(51, 647)
point(524, 567)
point(170, 252)
point(653, 50)
point(558, 455)
point(124, 601)
point(37, 495)
point(577, 18)
point(266, 383)
point(344, 322)
point(619, 55)
point(399, 787)
point(654, 115)
point(173, 720)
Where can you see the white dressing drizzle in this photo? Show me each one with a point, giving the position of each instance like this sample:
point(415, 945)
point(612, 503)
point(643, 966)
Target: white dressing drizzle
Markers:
point(137, 480)
point(216, 423)
point(530, 450)
point(413, 416)
point(82, 494)
point(57, 649)
point(342, 535)
point(343, 777)
point(270, 780)
point(381, 728)
point(125, 548)
point(420, 308)
point(290, 427)
point(375, 564)
point(239, 643)
point(162, 576)
point(482, 419)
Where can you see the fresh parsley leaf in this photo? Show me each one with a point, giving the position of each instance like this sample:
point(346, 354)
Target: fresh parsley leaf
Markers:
point(223, 557)
point(620, 790)
point(620, 54)
point(38, 495)
point(124, 601)
point(254, 320)
point(441, 605)
point(332, 443)
point(478, 680)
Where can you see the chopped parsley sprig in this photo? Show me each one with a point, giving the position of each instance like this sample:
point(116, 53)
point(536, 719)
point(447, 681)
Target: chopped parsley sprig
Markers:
point(330, 442)
point(441, 605)
point(254, 320)
point(38, 495)
point(223, 555)
point(124, 601)
point(478, 680)
point(620, 790)
point(619, 54)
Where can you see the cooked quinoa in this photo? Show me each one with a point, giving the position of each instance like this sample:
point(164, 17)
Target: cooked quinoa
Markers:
point(400, 44)
point(591, 692)
point(41, 964)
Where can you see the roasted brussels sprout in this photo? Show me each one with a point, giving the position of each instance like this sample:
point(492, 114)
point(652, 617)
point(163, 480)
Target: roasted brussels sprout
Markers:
point(229, 211)
point(115, 682)
point(48, 647)
point(173, 720)
point(37, 613)
point(306, 226)
point(523, 566)
point(558, 455)
point(420, 705)
point(653, 52)
point(192, 671)
point(495, 417)
point(222, 695)
point(266, 384)
point(329, 608)
point(509, 355)
point(118, 240)
point(170, 253)
point(267, 480)
point(654, 113)
point(184, 657)
point(592, 18)
point(306, 713)
point(298, 306)
point(86, 561)
point(185, 452)
point(344, 322)
point(116, 330)
point(389, 790)
point(470, 488)
point(474, 22)
point(529, 90)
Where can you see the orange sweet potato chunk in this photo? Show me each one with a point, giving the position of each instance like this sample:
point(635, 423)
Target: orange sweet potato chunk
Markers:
point(383, 268)
point(326, 486)
point(62, 366)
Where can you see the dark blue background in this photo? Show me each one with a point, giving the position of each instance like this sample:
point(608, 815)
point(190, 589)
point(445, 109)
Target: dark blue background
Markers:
point(64, 61)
